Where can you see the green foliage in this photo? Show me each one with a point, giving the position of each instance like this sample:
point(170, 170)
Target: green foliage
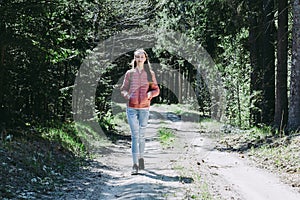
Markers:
point(44, 43)
point(260, 132)
point(178, 112)
point(166, 136)
point(235, 68)
point(120, 118)
point(221, 28)
point(205, 194)
point(204, 21)
point(66, 134)
point(107, 121)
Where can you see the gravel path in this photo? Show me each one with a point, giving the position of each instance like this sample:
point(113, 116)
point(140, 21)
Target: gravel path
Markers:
point(190, 169)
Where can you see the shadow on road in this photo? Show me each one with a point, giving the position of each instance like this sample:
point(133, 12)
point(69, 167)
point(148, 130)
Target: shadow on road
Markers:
point(154, 175)
point(173, 117)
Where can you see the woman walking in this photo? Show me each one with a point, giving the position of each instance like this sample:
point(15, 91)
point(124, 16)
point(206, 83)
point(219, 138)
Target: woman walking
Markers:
point(139, 87)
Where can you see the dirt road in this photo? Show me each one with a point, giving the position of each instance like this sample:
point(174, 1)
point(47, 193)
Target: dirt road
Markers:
point(190, 168)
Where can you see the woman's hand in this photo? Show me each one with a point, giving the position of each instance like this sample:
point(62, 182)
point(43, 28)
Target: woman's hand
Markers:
point(149, 94)
point(126, 95)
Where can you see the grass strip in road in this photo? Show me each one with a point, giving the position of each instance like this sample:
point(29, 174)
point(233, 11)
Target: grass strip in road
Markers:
point(166, 137)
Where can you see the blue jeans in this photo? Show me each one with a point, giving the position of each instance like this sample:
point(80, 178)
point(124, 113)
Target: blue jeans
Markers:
point(138, 121)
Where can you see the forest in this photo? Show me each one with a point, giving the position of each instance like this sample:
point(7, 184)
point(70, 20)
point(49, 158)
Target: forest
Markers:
point(254, 46)
point(61, 61)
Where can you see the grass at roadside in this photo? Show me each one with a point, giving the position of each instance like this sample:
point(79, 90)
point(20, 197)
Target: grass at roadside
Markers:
point(199, 189)
point(280, 154)
point(35, 163)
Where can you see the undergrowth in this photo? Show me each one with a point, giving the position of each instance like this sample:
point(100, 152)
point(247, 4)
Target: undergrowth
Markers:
point(35, 162)
point(67, 135)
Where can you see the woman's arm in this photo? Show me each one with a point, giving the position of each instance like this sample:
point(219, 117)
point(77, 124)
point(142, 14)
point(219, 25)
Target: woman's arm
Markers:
point(154, 89)
point(126, 86)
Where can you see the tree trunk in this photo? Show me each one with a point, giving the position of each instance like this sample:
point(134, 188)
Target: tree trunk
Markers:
point(180, 86)
point(65, 84)
point(2, 48)
point(281, 100)
point(294, 107)
point(256, 61)
point(3, 112)
point(3, 38)
point(268, 65)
